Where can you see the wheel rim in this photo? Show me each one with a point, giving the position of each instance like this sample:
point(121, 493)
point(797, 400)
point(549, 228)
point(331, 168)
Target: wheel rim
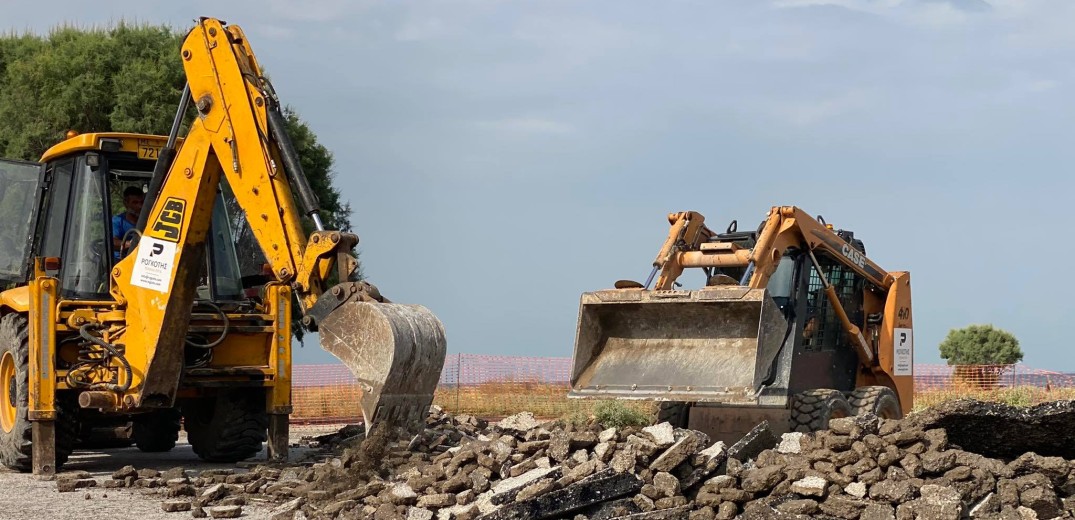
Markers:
point(9, 386)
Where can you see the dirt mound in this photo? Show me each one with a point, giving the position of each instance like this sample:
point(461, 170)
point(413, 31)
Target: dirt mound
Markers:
point(1002, 431)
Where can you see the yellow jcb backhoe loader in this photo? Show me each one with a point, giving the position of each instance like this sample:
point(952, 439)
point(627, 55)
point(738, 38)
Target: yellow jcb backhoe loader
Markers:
point(174, 321)
point(792, 324)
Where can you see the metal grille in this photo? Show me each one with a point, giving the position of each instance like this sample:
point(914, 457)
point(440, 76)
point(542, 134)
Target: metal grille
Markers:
point(829, 334)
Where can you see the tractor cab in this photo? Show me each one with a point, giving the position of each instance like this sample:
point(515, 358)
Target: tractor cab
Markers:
point(72, 210)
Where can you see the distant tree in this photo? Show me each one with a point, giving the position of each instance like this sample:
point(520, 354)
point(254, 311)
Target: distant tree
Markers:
point(980, 353)
point(126, 78)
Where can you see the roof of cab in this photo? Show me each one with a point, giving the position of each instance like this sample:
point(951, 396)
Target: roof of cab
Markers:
point(92, 141)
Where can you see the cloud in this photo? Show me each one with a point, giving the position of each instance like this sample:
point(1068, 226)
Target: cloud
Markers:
point(528, 125)
point(318, 10)
point(818, 111)
point(420, 30)
point(924, 12)
point(275, 32)
point(1042, 85)
point(938, 13)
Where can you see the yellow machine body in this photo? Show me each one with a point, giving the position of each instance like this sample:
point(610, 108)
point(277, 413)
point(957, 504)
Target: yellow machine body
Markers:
point(165, 323)
point(792, 323)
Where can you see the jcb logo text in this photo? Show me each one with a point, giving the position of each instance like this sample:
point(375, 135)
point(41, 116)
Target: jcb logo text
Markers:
point(170, 220)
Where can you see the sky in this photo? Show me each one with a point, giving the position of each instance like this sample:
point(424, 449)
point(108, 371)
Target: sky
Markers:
point(504, 157)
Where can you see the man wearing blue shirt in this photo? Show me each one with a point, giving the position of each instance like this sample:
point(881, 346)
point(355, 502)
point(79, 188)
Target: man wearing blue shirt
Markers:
point(132, 201)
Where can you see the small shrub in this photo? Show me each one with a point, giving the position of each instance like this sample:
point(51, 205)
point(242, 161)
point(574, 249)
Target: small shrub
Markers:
point(578, 418)
point(618, 414)
point(1020, 397)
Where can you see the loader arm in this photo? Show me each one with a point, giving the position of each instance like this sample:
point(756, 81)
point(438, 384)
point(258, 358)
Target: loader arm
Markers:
point(791, 226)
point(238, 134)
point(687, 233)
point(786, 226)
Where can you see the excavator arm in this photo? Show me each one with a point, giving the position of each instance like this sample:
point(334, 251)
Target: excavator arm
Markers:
point(395, 351)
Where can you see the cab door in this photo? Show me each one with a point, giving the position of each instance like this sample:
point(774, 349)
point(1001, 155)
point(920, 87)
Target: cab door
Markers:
point(74, 227)
point(20, 182)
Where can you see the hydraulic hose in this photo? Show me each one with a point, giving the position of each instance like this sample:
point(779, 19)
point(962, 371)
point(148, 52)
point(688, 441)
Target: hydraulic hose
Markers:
point(164, 162)
point(293, 168)
point(84, 331)
point(223, 334)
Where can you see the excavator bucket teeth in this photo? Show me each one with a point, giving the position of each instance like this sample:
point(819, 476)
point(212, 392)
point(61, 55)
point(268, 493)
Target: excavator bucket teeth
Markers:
point(712, 345)
point(396, 352)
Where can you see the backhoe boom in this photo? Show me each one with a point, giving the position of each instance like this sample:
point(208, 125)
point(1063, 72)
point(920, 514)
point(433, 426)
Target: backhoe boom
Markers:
point(163, 322)
point(239, 134)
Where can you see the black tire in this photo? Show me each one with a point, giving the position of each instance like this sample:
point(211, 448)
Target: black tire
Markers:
point(878, 400)
point(228, 428)
point(813, 409)
point(675, 413)
point(103, 434)
point(158, 431)
point(16, 436)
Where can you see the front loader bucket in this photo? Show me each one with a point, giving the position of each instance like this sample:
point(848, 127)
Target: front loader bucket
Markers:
point(396, 352)
point(717, 344)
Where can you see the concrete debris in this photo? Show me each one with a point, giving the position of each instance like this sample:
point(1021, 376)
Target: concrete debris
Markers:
point(70, 483)
point(172, 506)
point(226, 511)
point(790, 443)
point(661, 434)
point(463, 468)
point(519, 423)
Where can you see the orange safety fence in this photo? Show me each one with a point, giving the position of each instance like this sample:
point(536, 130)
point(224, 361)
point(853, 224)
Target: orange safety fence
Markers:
point(1017, 384)
point(498, 386)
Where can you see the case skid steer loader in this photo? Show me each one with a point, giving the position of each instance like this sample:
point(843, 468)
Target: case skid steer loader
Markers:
point(793, 324)
point(187, 317)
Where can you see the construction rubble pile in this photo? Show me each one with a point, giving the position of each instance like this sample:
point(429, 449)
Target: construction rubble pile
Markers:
point(521, 468)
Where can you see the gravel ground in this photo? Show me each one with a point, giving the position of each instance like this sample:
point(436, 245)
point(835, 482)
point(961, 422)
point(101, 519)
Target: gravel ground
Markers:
point(22, 496)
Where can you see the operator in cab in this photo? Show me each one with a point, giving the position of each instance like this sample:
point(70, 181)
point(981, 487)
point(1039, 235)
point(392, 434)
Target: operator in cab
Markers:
point(133, 197)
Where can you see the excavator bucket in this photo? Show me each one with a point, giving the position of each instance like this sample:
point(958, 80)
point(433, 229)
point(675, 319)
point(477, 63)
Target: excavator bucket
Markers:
point(396, 352)
point(717, 344)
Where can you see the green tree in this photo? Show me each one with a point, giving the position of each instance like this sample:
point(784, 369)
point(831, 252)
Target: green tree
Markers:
point(981, 345)
point(981, 354)
point(125, 78)
point(121, 79)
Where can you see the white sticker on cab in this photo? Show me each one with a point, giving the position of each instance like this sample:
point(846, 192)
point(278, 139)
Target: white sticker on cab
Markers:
point(903, 344)
point(154, 264)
